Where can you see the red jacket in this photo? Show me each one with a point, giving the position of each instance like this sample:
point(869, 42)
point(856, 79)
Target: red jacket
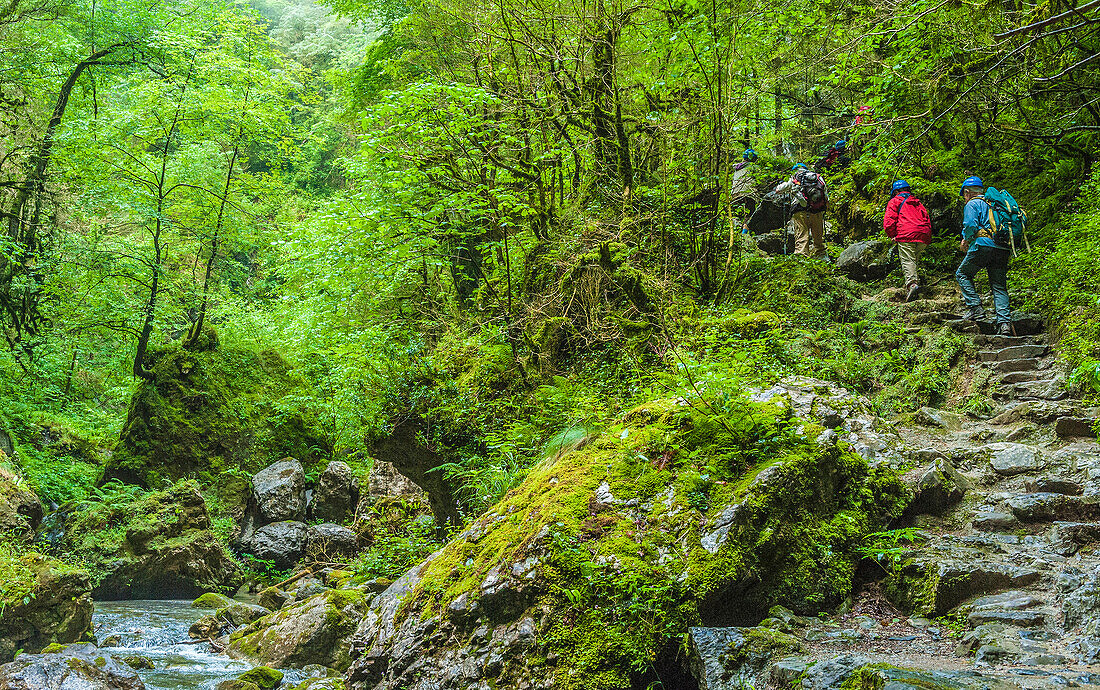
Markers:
point(907, 220)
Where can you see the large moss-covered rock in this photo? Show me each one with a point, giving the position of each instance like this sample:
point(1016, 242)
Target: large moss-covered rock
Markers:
point(597, 564)
point(43, 601)
point(314, 631)
point(207, 413)
point(152, 545)
point(20, 509)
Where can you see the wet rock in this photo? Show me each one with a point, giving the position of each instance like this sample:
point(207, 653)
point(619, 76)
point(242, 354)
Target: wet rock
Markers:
point(329, 541)
point(111, 641)
point(60, 610)
point(729, 658)
point(274, 599)
point(1047, 507)
point(76, 667)
point(1054, 485)
point(942, 419)
point(307, 587)
point(282, 543)
point(236, 684)
point(205, 628)
point(1067, 538)
point(314, 631)
point(1014, 458)
point(137, 661)
point(995, 654)
point(280, 491)
point(240, 613)
point(1083, 602)
point(892, 677)
point(995, 522)
point(939, 488)
point(20, 509)
point(868, 260)
point(336, 495)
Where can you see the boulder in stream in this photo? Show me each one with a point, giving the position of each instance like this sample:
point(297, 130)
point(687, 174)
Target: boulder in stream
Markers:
point(75, 667)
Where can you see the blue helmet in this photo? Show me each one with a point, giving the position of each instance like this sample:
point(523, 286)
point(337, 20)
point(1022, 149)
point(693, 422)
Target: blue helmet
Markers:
point(841, 144)
point(972, 181)
point(749, 155)
point(898, 186)
point(799, 165)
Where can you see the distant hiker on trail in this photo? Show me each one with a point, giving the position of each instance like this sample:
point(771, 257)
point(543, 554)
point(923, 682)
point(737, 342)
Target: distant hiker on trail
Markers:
point(907, 222)
point(747, 158)
point(836, 156)
point(743, 187)
point(809, 198)
point(982, 251)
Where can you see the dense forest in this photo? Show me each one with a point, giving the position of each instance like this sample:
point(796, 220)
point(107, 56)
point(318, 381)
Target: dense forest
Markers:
point(462, 344)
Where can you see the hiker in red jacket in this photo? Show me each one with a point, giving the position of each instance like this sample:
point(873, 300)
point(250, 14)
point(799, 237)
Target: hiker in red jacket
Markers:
point(907, 223)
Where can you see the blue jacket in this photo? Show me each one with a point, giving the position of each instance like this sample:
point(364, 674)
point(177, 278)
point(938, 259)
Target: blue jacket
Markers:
point(976, 218)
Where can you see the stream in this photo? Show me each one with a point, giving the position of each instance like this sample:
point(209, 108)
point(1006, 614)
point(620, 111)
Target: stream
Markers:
point(157, 630)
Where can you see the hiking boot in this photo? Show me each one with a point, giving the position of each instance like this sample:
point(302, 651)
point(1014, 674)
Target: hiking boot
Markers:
point(914, 292)
point(975, 314)
point(1004, 328)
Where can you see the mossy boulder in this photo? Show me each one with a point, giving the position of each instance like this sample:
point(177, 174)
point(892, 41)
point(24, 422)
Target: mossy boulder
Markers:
point(20, 509)
point(76, 666)
point(210, 414)
point(599, 562)
point(263, 677)
point(314, 631)
point(44, 601)
point(212, 600)
point(151, 544)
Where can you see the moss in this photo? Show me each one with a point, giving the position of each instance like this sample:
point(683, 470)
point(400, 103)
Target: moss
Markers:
point(624, 570)
point(761, 645)
point(262, 676)
point(216, 414)
point(211, 600)
point(53, 647)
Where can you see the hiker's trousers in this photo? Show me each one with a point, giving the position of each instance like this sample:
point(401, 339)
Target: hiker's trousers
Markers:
point(995, 263)
point(809, 226)
point(909, 253)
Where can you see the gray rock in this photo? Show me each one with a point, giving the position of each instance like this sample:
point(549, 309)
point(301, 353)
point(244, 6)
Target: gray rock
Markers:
point(1023, 619)
point(1074, 427)
point(275, 599)
point(76, 667)
point(282, 543)
point(867, 260)
point(1047, 507)
point(1014, 458)
point(336, 495)
point(773, 243)
point(1068, 537)
point(1054, 485)
point(938, 489)
point(994, 522)
point(385, 480)
point(239, 613)
point(60, 610)
point(20, 509)
point(733, 658)
point(280, 491)
point(314, 631)
point(205, 628)
point(942, 419)
point(329, 541)
point(1083, 602)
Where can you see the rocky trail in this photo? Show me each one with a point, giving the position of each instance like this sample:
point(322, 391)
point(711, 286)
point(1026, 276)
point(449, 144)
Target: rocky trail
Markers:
point(1000, 563)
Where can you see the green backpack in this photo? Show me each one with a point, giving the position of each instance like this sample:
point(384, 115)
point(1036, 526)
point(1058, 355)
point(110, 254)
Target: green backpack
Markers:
point(1007, 219)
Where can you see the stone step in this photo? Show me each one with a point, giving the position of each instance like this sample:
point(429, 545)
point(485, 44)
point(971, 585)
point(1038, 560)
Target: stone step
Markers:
point(1013, 352)
point(1028, 376)
point(1075, 427)
point(933, 317)
point(999, 341)
point(1011, 365)
point(1051, 507)
point(1040, 390)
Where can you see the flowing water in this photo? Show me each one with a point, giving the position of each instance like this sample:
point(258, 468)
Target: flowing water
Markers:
point(157, 630)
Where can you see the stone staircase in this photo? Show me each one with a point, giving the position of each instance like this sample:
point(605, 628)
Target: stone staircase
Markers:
point(1003, 589)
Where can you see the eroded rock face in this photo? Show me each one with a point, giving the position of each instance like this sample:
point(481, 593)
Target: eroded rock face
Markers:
point(520, 583)
point(60, 611)
point(20, 509)
point(280, 491)
point(76, 667)
point(336, 495)
point(314, 631)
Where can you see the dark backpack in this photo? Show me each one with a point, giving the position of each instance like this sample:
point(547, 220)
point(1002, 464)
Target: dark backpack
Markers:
point(1006, 218)
point(813, 190)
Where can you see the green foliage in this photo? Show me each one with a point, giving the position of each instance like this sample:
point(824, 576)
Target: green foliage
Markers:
point(888, 549)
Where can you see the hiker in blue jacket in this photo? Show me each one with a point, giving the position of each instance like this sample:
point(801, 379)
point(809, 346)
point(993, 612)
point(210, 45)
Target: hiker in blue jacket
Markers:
point(982, 252)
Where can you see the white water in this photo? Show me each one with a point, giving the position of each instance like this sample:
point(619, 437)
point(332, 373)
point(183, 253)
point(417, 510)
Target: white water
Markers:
point(157, 630)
